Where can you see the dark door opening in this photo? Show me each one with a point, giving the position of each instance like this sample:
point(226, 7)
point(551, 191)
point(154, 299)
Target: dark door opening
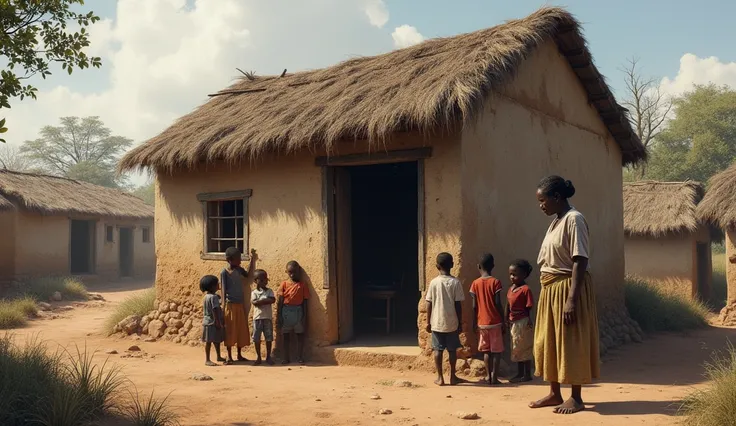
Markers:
point(377, 248)
point(703, 270)
point(126, 252)
point(81, 247)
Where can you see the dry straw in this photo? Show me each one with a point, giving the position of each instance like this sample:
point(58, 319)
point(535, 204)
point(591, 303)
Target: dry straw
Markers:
point(429, 87)
point(719, 204)
point(52, 195)
point(658, 208)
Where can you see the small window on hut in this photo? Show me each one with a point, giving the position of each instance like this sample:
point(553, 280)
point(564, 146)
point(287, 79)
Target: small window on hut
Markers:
point(146, 235)
point(109, 233)
point(225, 222)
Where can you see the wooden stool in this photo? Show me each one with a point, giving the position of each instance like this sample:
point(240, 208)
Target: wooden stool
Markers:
point(388, 296)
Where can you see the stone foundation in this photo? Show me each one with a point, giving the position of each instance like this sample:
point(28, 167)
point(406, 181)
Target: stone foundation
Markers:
point(179, 323)
point(728, 315)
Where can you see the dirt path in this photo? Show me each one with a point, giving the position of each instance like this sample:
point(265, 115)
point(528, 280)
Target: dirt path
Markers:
point(642, 383)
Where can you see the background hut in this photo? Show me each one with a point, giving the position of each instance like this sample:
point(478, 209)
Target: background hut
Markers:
point(719, 208)
point(58, 226)
point(366, 170)
point(665, 242)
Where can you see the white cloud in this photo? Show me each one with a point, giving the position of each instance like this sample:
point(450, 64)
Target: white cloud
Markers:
point(161, 58)
point(405, 36)
point(694, 70)
point(376, 12)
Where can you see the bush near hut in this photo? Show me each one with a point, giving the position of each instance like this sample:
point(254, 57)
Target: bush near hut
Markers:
point(714, 405)
point(657, 310)
point(138, 304)
point(14, 313)
point(43, 288)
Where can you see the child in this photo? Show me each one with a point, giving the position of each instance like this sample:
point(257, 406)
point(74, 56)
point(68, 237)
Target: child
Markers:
point(236, 310)
point(262, 298)
point(488, 319)
point(518, 313)
point(444, 316)
point(292, 315)
point(212, 321)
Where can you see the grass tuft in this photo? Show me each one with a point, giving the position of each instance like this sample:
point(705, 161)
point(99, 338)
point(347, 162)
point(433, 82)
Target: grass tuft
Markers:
point(14, 313)
point(44, 287)
point(714, 405)
point(657, 310)
point(150, 411)
point(138, 304)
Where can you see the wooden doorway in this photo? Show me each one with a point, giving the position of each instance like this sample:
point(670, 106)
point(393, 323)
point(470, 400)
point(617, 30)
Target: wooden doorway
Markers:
point(82, 246)
point(126, 252)
point(376, 242)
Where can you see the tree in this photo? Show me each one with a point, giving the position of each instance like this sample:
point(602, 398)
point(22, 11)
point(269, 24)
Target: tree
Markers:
point(12, 159)
point(82, 149)
point(147, 193)
point(34, 35)
point(701, 140)
point(648, 107)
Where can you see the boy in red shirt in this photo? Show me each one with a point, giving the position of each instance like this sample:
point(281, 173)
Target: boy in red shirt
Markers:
point(488, 319)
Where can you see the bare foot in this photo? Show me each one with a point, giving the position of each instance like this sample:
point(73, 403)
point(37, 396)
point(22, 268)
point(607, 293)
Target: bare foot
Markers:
point(285, 362)
point(269, 361)
point(210, 364)
point(571, 406)
point(227, 362)
point(221, 359)
point(257, 362)
point(494, 382)
point(550, 400)
point(440, 381)
point(242, 359)
point(454, 380)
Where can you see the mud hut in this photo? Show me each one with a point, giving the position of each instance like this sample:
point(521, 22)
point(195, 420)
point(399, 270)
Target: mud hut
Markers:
point(719, 208)
point(366, 170)
point(58, 226)
point(666, 244)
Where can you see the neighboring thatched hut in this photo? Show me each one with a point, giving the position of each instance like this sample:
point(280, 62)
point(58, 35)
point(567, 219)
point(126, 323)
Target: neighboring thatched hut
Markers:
point(58, 226)
point(665, 242)
point(365, 171)
point(719, 208)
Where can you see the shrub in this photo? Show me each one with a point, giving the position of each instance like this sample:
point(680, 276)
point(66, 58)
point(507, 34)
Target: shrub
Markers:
point(715, 405)
point(657, 310)
point(137, 304)
point(44, 287)
point(150, 411)
point(14, 313)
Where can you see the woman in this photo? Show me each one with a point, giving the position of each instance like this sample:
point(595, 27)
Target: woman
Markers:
point(566, 336)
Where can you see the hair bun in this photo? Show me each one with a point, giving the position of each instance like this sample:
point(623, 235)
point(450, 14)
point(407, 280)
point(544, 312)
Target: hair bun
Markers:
point(570, 189)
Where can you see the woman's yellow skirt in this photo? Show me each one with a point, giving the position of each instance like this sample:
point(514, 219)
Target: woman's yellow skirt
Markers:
point(566, 354)
point(237, 332)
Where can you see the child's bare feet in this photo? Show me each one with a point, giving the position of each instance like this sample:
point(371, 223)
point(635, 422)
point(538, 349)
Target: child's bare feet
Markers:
point(221, 359)
point(242, 359)
point(257, 362)
point(440, 381)
point(227, 362)
point(286, 362)
point(494, 381)
point(269, 361)
point(550, 400)
point(454, 380)
point(571, 406)
point(210, 364)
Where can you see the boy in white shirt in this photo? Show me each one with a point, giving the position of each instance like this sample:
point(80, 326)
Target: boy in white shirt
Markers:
point(262, 299)
point(444, 316)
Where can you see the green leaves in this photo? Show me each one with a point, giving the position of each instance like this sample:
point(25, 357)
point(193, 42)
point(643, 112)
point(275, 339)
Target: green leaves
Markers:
point(3, 129)
point(33, 35)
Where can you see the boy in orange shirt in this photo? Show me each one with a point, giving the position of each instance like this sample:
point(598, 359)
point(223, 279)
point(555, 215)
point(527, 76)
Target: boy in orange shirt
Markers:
point(488, 318)
point(292, 316)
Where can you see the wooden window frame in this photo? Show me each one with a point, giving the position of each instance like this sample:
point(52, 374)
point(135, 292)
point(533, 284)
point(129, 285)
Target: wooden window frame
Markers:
point(204, 198)
point(110, 240)
point(145, 230)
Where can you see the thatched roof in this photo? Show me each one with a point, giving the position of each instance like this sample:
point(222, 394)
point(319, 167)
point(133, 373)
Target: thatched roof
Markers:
point(719, 204)
point(51, 195)
point(426, 87)
point(5, 204)
point(658, 208)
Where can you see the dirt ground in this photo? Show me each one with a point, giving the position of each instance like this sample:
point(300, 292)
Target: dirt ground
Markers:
point(641, 384)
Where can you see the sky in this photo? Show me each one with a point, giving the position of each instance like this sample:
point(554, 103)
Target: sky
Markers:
point(162, 57)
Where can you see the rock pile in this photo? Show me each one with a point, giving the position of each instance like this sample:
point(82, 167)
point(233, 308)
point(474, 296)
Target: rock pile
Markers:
point(728, 315)
point(179, 323)
point(616, 328)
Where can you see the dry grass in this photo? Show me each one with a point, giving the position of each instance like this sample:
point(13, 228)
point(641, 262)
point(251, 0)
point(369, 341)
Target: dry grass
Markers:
point(715, 405)
point(43, 288)
point(137, 304)
point(658, 208)
point(150, 411)
point(433, 87)
point(719, 286)
point(719, 204)
point(57, 195)
point(14, 313)
point(657, 310)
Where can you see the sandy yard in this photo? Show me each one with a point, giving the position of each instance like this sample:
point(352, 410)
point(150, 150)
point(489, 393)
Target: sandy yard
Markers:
point(642, 383)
